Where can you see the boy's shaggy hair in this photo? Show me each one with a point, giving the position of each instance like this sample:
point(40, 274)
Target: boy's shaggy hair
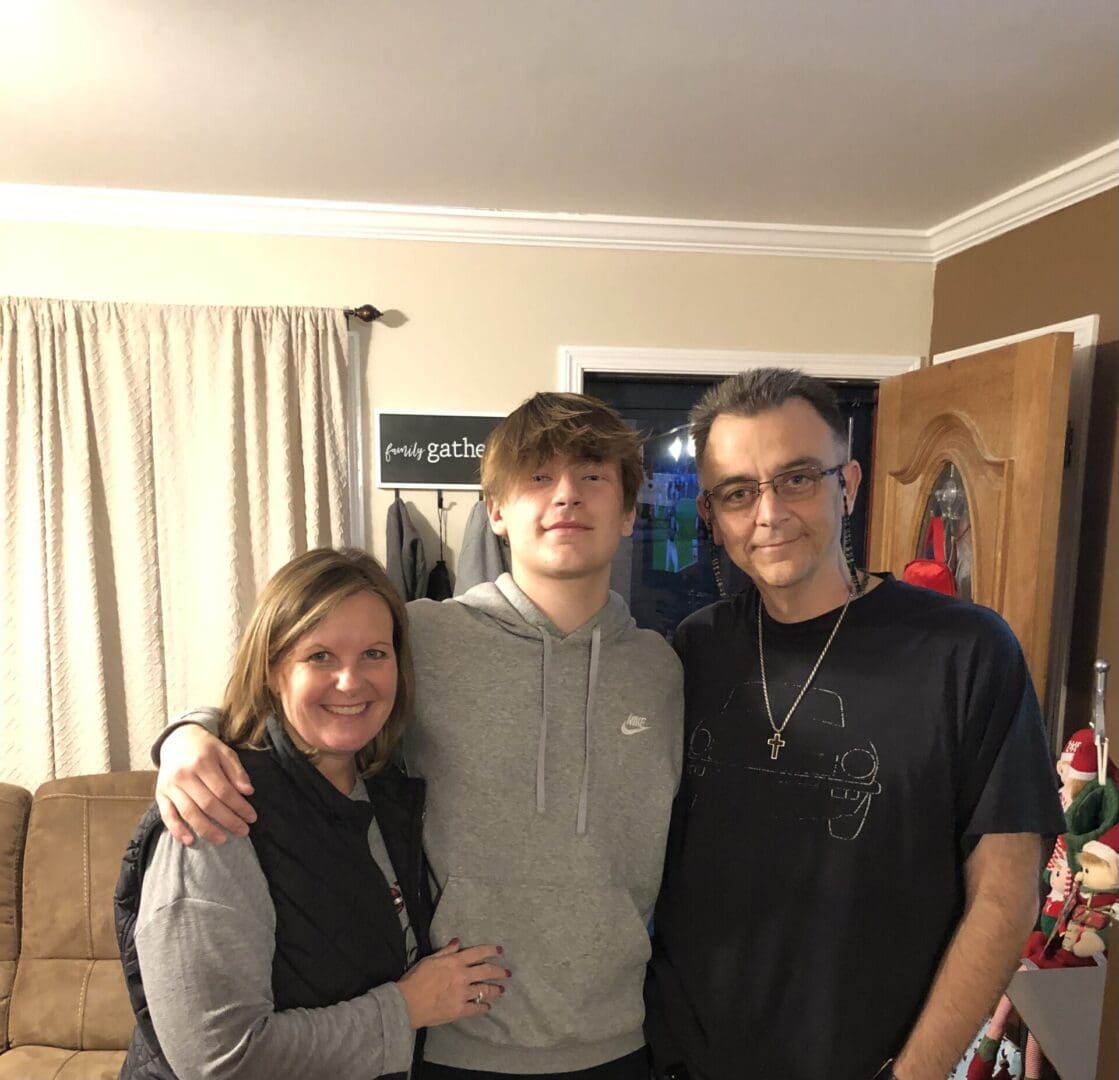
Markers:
point(568, 427)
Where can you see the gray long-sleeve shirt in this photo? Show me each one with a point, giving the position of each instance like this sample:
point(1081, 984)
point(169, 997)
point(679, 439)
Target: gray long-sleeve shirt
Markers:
point(205, 937)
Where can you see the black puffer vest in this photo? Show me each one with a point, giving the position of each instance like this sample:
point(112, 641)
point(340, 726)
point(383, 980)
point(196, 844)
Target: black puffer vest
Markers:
point(332, 901)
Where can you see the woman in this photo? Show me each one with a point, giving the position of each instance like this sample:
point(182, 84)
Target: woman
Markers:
point(290, 952)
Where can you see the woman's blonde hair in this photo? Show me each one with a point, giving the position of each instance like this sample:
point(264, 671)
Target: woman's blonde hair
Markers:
point(297, 598)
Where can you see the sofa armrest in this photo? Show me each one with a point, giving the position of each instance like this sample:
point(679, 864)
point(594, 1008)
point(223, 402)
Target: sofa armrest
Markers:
point(15, 804)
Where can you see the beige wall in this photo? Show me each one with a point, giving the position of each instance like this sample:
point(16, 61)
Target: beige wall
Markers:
point(485, 322)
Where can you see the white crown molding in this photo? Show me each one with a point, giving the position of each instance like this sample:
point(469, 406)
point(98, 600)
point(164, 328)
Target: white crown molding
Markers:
point(116, 207)
point(353, 220)
point(1070, 183)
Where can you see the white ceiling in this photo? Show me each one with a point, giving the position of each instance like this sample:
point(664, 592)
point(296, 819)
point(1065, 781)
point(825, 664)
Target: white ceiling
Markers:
point(872, 113)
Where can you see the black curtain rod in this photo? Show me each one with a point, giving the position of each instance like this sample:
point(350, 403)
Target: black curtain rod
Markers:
point(367, 313)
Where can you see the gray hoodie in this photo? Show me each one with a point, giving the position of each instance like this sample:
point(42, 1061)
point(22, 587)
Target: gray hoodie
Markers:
point(552, 760)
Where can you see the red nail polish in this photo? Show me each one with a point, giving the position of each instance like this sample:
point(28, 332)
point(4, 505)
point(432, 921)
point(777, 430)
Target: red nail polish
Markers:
point(454, 941)
point(501, 989)
point(500, 950)
point(508, 975)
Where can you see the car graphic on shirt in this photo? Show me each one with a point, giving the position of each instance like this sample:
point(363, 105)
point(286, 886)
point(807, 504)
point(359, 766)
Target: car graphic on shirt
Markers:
point(822, 773)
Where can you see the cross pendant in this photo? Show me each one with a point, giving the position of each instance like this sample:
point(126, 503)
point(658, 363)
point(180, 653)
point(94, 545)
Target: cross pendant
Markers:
point(775, 742)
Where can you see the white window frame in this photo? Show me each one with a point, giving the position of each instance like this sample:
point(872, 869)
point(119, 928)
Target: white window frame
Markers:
point(576, 361)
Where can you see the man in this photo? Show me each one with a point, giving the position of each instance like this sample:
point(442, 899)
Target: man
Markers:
point(852, 868)
point(549, 731)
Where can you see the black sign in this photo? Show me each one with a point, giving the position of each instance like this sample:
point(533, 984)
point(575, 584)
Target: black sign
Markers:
point(431, 450)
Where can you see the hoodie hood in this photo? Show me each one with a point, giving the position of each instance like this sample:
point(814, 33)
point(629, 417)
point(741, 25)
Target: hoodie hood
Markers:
point(504, 602)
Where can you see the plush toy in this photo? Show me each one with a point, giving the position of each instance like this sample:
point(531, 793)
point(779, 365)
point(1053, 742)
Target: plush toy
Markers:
point(1083, 932)
point(1074, 901)
point(1076, 767)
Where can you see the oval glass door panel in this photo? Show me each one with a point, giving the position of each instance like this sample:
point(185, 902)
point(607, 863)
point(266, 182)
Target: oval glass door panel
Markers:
point(945, 533)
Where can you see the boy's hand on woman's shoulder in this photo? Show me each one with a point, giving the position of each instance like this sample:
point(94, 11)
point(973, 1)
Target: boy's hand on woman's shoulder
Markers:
point(201, 787)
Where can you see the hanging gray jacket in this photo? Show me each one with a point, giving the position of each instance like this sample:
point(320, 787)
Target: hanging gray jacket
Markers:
point(483, 556)
point(405, 561)
point(551, 762)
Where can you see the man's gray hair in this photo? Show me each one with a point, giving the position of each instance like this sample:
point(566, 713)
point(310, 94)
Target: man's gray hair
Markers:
point(759, 390)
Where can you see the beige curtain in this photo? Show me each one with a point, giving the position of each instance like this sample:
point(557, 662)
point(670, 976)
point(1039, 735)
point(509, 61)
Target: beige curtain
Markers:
point(159, 464)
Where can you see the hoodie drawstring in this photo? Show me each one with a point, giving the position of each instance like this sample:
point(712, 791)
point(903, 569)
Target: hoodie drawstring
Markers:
point(543, 745)
point(592, 681)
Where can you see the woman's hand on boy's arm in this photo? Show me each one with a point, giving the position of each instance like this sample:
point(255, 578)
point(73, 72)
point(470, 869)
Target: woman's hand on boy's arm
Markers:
point(201, 787)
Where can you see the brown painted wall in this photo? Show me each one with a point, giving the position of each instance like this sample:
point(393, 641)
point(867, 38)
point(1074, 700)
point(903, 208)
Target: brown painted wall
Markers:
point(1060, 267)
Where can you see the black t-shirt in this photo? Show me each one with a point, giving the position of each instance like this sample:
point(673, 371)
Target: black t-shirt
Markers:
point(808, 896)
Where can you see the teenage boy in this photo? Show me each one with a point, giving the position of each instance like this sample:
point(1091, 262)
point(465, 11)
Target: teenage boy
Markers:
point(853, 864)
point(549, 730)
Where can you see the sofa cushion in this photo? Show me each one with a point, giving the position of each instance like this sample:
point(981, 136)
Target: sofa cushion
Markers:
point(80, 1004)
point(69, 991)
point(50, 1063)
point(15, 803)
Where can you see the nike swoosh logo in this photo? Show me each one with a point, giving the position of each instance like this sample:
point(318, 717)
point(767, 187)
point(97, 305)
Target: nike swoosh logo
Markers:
point(632, 725)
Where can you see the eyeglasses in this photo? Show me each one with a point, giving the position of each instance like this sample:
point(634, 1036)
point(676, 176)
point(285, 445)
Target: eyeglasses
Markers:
point(736, 496)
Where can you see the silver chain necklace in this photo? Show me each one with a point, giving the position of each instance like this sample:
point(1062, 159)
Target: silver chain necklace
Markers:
point(775, 742)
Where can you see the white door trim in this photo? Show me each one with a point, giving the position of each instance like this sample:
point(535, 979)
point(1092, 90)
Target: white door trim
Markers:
point(1085, 332)
point(575, 361)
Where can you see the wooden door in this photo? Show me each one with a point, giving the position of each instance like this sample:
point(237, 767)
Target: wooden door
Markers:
point(995, 422)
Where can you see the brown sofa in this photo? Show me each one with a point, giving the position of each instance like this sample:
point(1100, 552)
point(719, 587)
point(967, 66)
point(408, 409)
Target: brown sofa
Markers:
point(64, 1012)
